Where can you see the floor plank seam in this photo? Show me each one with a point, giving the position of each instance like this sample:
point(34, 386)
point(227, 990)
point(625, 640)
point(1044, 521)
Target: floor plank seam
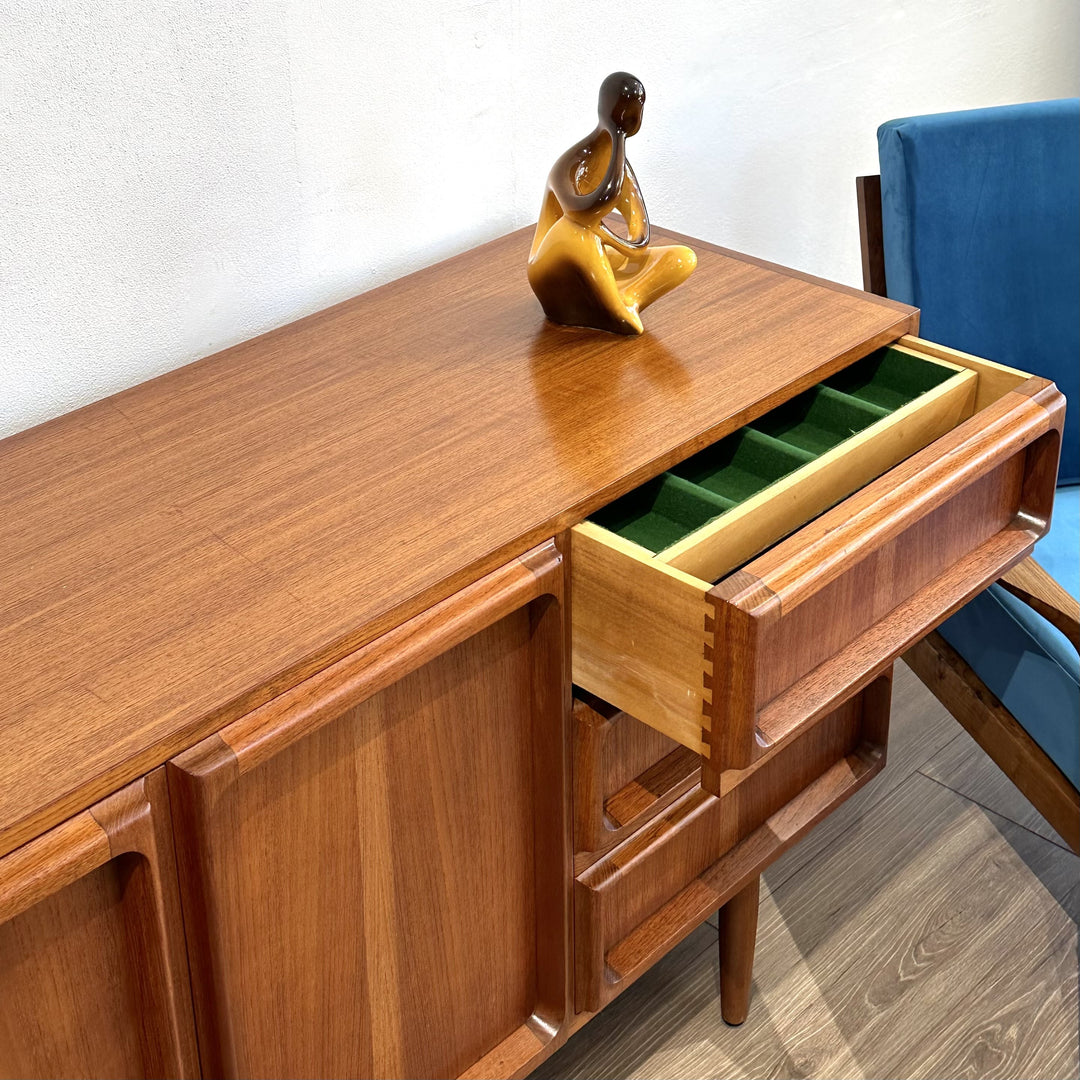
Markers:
point(997, 813)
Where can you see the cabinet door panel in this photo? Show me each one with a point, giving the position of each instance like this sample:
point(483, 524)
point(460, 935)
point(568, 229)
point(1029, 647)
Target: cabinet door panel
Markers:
point(93, 977)
point(375, 867)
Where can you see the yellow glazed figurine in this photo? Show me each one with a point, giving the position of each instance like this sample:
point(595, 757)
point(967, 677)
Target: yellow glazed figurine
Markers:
point(582, 272)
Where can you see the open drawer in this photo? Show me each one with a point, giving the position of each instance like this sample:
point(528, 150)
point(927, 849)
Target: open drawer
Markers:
point(768, 578)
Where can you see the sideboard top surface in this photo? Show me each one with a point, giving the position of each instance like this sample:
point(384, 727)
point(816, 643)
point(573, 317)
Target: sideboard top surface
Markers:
point(182, 551)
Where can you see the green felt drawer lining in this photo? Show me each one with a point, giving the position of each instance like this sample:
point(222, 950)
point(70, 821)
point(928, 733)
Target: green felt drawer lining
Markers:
point(742, 464)
point(819, 419)
point(663, 511)
point(889, 378)
point(676, 503)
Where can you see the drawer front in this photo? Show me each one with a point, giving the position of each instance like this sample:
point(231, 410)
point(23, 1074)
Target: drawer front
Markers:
point(648, 893)
point(625, 773)
point(816, 616)
point(957, 486)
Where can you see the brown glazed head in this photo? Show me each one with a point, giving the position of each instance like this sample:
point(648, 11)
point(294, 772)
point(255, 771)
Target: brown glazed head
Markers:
point(622, 99)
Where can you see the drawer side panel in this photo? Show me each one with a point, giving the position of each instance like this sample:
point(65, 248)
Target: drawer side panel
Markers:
point(639, 634)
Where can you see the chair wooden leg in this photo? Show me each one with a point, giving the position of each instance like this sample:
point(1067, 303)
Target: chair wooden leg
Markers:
point(971, 702)
point(738, 934)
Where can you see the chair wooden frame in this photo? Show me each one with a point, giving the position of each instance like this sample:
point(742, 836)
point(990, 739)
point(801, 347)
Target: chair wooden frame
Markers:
point(943, 670)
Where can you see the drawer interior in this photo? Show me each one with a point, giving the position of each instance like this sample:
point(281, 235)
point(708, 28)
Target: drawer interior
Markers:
point(872, 397)
point(646, 567)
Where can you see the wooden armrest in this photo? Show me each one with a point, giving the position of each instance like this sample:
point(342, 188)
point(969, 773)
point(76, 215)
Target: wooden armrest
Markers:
point(1032, 584)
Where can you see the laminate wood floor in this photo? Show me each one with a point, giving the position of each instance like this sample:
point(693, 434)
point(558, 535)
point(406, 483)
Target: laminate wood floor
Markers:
point(927, 929)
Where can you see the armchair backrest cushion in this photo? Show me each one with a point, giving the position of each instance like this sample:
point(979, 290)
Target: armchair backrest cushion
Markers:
point(981, 229)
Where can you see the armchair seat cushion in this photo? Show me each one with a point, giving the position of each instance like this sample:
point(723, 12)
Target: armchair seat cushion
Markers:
point(1026, 662)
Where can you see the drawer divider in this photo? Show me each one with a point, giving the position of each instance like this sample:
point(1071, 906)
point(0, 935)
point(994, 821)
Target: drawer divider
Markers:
point(825, 548)
point(772, 513)
point(816, 616)
point(830, 570)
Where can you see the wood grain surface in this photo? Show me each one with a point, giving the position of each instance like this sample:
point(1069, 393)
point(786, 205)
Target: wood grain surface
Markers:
point(738, 920)
point(974, 705)
point(968, 769)
point(641, 898)
point(1032, 584)
point(747, 529)
point(809, 621)
point(625, 773)
point(181, 552)
point(995, 380)
point(639, 633)
point(376, 877)
point(917, 734)
point(868, 196)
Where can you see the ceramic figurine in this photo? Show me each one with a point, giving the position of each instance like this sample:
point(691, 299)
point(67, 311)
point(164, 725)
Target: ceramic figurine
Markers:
point(583, 273)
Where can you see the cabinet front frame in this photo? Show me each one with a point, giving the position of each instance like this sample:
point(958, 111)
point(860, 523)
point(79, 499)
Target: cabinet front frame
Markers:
point(128, 832)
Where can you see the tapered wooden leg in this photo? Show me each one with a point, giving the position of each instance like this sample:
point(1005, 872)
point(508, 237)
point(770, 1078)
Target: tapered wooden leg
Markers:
point(738, 934)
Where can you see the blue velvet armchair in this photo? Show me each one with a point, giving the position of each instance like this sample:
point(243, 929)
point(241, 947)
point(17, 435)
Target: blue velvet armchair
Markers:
point(978, 225)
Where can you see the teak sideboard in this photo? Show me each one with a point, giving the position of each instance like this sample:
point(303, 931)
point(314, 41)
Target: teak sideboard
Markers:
point(346, 732)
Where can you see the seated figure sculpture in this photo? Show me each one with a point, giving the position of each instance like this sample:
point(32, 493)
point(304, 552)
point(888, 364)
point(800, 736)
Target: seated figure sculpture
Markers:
point(584, 273)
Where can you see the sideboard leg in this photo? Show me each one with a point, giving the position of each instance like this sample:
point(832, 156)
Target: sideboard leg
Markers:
point(738, 933)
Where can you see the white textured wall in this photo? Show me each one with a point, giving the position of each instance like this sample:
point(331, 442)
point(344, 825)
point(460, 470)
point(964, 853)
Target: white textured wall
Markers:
point(178, 175)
